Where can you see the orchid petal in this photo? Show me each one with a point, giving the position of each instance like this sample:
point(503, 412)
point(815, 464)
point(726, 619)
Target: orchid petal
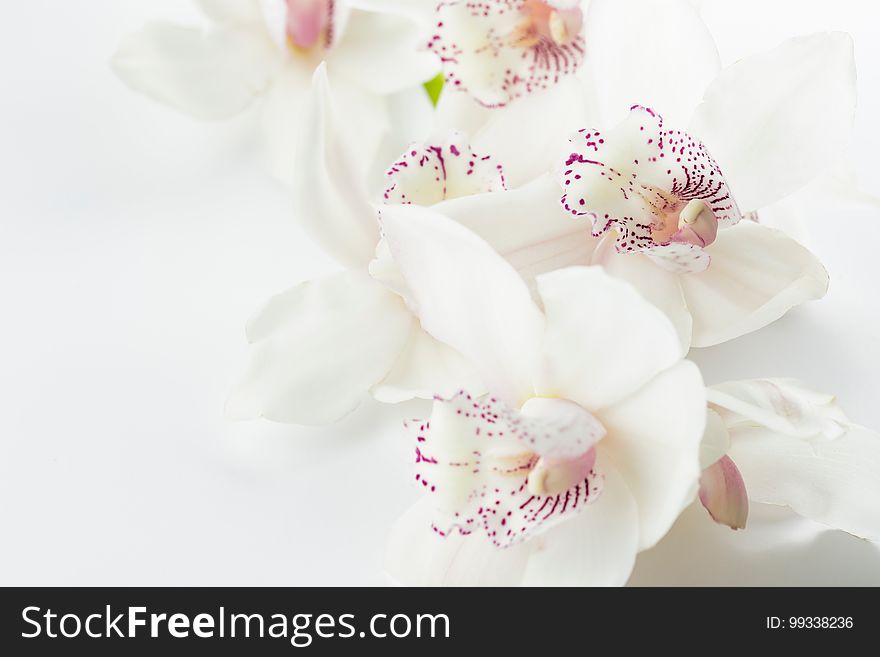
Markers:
point(603, 341)
point(659, 286)
point(234, 11)
point(489, 468)
point(834, 483)
point(783, 405)
point(779, 118)
point(650, 52)
point(528, 147)
point(757, 275)
point(723, 494)
point(210, 75)
point(716, 439)
point(467, 296)
point(318, 348)
point(382, 50)
point(526, 226)
point(654, 438)
point(425, 368)
point(329, 190)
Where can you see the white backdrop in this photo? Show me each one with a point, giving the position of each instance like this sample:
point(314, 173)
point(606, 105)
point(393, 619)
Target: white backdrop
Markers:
point(135, 242)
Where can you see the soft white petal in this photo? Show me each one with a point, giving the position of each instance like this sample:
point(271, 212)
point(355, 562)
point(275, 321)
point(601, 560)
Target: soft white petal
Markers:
point(657, 53)
point(211, 74)
point(597, 547)
point(779, 118)
point(659, 286)
point(785, 405)
point(318, 348)
point(530, 137)
point(527, 226)
point(457, 111)
point(383, 53)
point(836, 482)
point(467, 296)
point(603, 340)
point(654, 437)
point(236, 11)
point(716, 440)
point(329, 188)
point(427, 367)
point(757, 274)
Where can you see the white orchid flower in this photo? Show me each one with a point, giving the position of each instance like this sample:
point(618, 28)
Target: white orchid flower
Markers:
point(321, 347)
point(268, 50)
point(588, 447)
point(776, 441)
point(499, 50)
point(772, 123)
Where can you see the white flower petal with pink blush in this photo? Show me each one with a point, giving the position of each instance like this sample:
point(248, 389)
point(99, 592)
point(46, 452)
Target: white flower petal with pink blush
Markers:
point(499, 50)
point(587, 447)
point(793, 446)
point(267, 50)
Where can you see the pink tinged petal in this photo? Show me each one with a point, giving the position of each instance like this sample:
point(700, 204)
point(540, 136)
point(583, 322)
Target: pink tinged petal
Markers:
point(757, 275)
point(308, 22)
point(779, 118)
point(429, 173)
point(723, 494)
point(499, 50)
point(476, 458)
point(468, 297)
point(659, 189)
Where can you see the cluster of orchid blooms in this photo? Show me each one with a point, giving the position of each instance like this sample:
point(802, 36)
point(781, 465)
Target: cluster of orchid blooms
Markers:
point(591, 197)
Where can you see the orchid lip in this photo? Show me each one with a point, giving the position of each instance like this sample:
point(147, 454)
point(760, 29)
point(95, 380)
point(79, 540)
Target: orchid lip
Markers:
point(505, 473)
point(500, 50)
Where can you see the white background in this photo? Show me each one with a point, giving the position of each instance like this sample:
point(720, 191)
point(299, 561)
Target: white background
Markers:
point(135, 242)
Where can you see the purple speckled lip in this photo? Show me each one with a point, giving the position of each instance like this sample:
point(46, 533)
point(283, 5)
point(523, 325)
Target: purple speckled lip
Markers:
point(429, 173)
point(668, 202)
point(499, 500)
point(526, 45)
